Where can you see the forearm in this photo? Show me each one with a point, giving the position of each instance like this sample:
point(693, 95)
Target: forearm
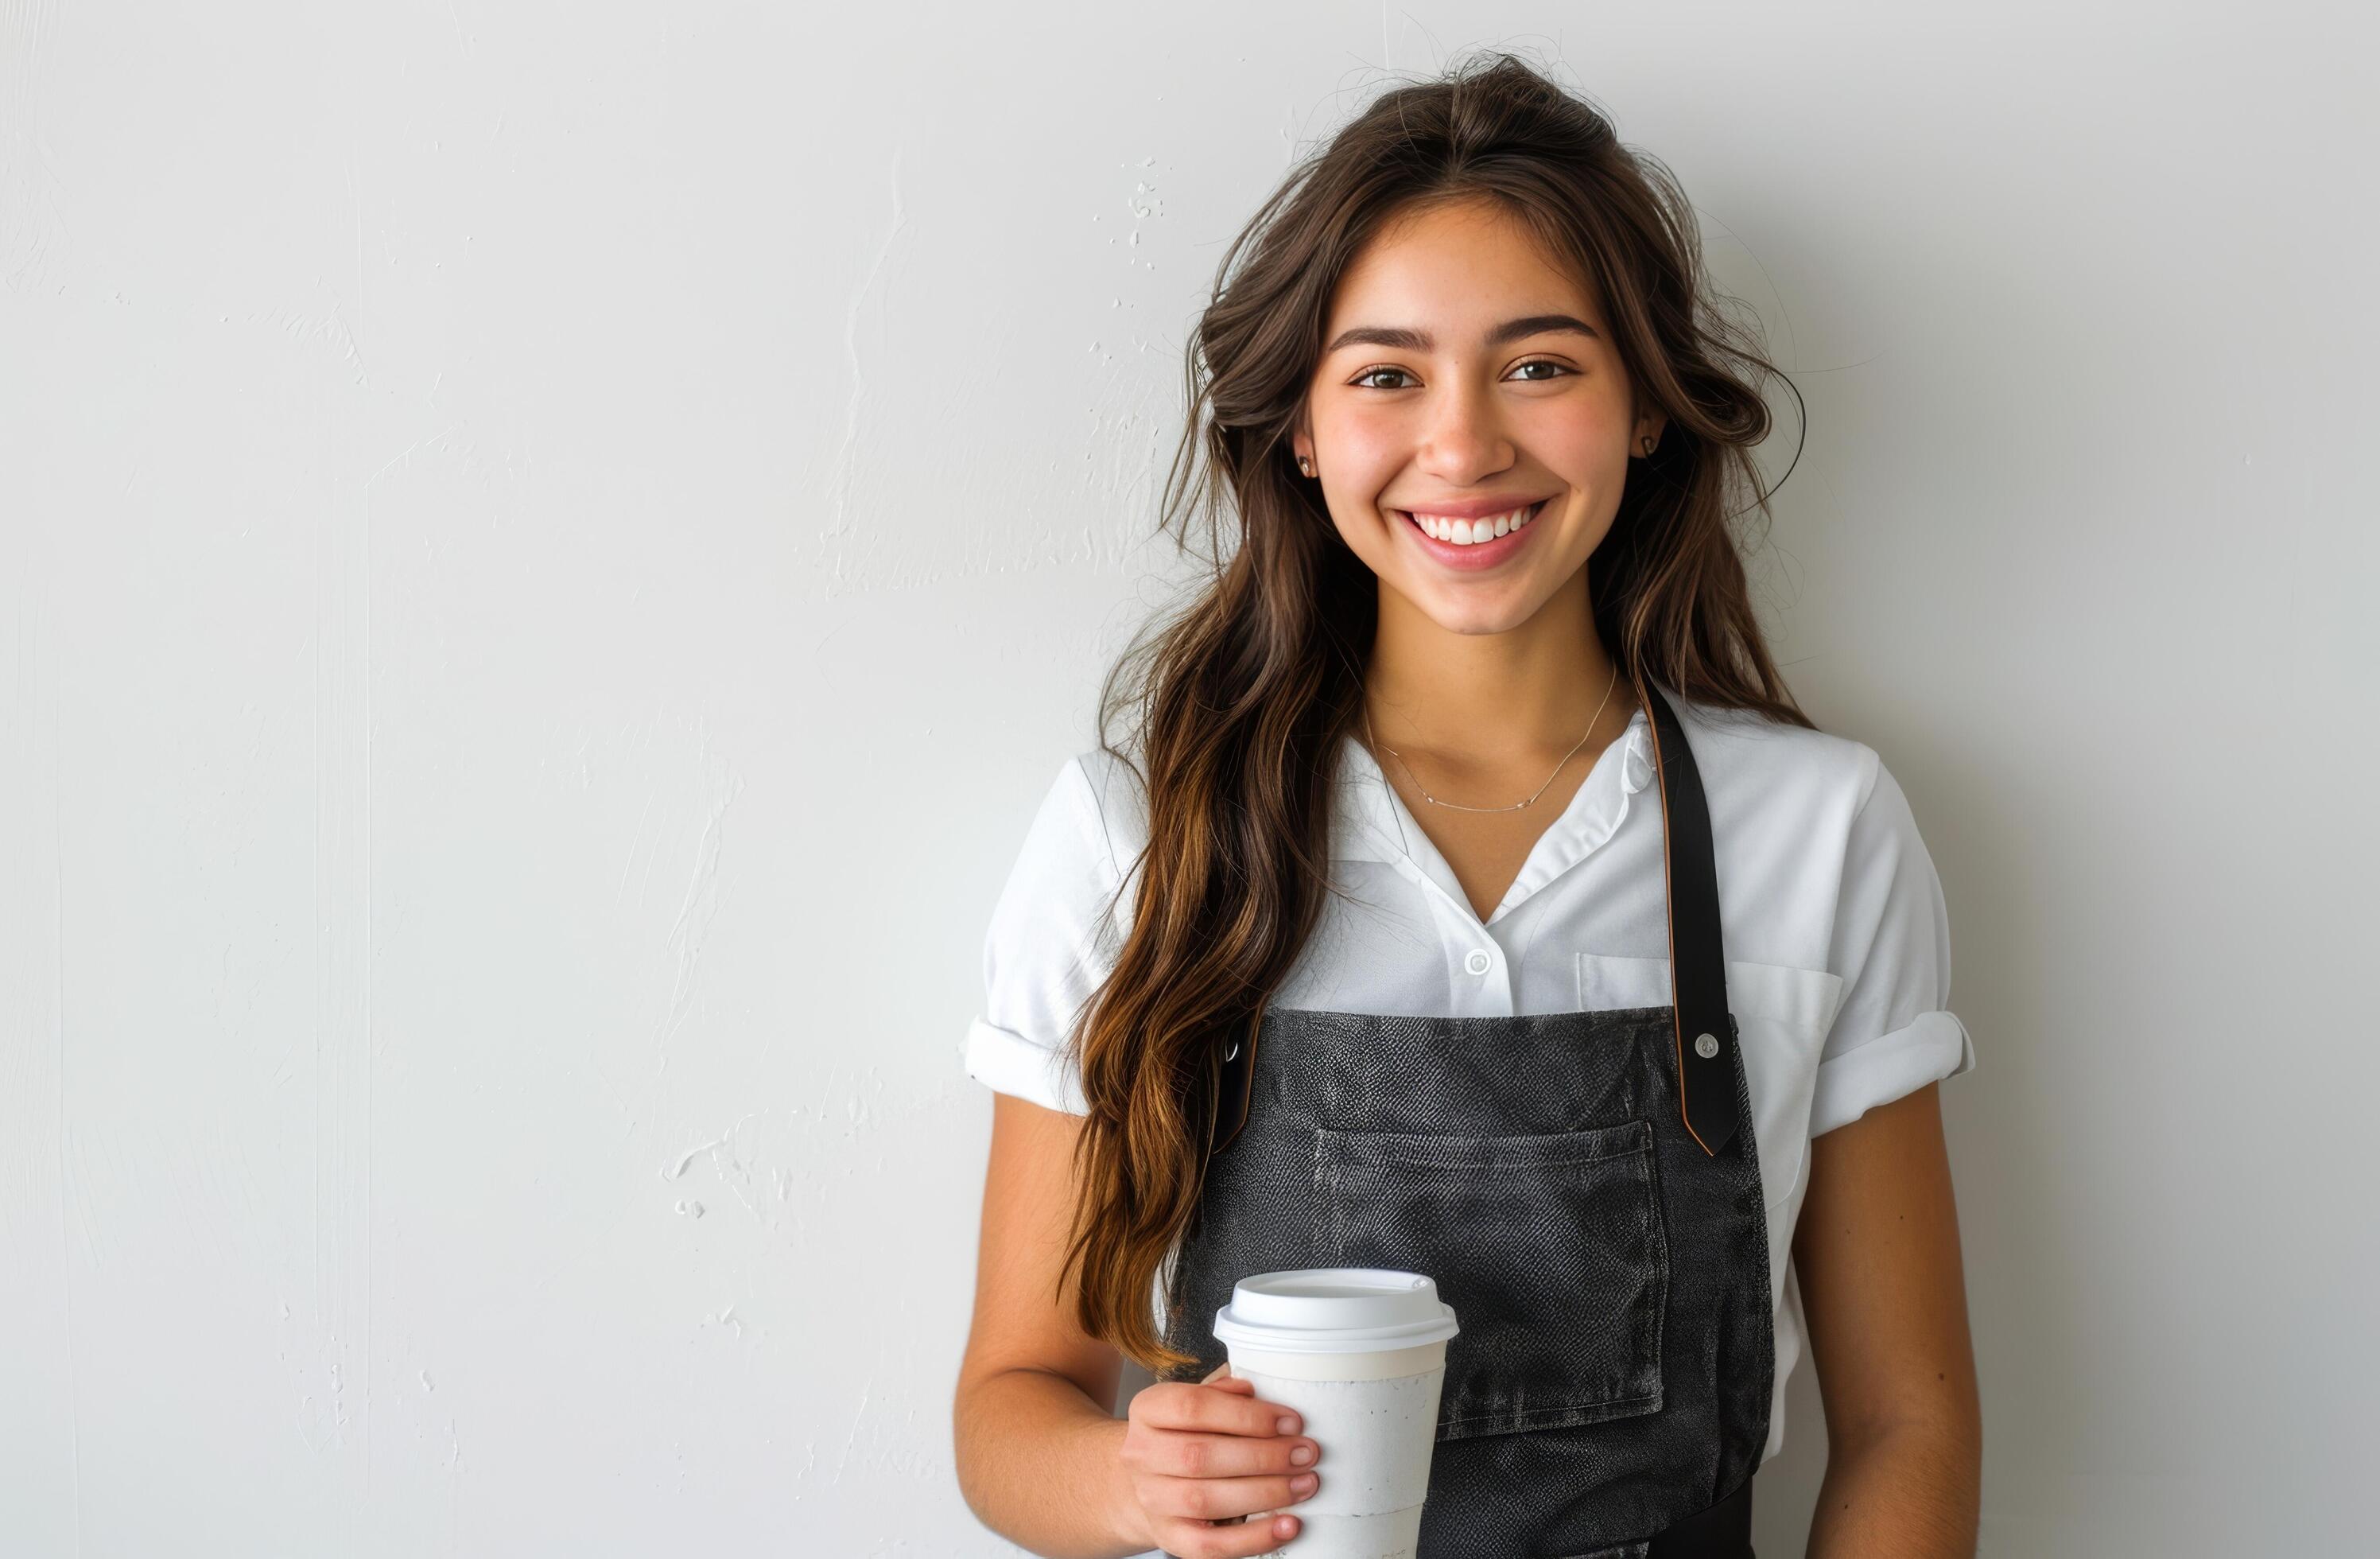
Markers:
point(1037, 1464)
point(1907, 1492)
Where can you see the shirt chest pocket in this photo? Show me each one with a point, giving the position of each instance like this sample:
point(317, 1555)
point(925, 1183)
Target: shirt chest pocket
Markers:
point(1783, 1015)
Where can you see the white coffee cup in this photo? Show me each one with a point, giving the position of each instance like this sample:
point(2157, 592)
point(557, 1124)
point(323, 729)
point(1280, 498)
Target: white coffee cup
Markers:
point(1359, 1354)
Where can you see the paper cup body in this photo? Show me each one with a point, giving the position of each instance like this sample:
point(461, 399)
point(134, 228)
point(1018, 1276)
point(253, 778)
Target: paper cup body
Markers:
point(1366, 1393)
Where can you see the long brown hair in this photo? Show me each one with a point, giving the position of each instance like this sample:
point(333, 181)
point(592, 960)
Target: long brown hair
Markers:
point(1243, 698)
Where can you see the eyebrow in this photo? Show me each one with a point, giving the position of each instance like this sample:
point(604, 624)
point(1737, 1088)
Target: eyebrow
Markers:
point(1402, 339)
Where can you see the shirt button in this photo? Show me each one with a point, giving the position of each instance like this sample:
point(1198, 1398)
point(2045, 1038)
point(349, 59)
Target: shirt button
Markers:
point(1478, 962)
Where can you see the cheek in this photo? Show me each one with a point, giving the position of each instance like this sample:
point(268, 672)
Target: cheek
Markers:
point(1584, 435)
point(1362, 455)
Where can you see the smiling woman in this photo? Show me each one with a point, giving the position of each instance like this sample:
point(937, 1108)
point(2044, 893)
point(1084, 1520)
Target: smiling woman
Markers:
point(1490, 910)
point(1538, 404)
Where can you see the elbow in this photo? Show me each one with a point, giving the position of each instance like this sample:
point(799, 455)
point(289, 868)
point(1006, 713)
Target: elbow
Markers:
point(973, 1439)
point(964, 1442)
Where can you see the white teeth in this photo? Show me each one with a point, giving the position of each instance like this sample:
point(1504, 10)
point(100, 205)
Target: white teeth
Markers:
point(1470, 533)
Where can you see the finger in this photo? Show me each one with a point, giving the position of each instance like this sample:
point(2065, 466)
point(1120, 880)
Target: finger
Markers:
point(1225, 1499)
point(1225, 1407)
point(1179, 1454)
point(1219, 1369)
point(1196, 1539)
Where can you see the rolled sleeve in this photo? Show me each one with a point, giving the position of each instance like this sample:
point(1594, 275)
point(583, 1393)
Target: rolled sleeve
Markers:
point(1934, 1048)
point(1893, 1032)
point(1049, 946)
point(1007, 1061)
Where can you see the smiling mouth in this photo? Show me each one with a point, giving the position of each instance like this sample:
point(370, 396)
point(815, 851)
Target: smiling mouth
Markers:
point(1472, 532)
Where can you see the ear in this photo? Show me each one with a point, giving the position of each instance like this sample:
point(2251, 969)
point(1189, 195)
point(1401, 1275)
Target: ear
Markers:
point(1649, 425)
point(1301, 433)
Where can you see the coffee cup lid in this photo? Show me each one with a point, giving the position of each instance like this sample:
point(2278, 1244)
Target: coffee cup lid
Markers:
point(1335, 1309)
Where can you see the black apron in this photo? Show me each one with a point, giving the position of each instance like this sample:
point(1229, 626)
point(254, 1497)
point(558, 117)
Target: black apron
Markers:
point(1585, 1189)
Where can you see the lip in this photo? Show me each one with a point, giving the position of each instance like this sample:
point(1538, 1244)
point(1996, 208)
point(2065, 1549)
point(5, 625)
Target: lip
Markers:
point(1472, 508)
point(1478, 554)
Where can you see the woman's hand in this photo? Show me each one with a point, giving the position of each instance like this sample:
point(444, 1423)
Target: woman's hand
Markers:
point(1201, 1458)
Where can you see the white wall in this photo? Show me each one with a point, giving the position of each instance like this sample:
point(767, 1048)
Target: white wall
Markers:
point(549, 553)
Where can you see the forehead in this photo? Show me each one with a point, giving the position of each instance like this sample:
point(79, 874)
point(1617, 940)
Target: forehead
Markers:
point(1453, 270)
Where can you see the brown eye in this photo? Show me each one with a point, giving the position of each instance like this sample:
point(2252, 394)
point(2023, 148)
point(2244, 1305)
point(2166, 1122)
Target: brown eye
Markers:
point(1364, 380)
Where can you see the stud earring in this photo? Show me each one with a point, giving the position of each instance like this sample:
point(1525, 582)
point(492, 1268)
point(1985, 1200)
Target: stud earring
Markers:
point(1648, 443)
point(1305, 464)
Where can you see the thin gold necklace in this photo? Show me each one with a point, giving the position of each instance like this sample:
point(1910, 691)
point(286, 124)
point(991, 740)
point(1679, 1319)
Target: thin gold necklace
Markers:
point(1516, 806)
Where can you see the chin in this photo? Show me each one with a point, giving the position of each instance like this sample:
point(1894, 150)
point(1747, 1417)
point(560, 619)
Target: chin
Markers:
point(1472, 616)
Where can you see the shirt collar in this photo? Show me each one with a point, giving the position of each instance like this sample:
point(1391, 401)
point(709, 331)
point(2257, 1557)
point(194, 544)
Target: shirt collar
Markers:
point(1372, 822)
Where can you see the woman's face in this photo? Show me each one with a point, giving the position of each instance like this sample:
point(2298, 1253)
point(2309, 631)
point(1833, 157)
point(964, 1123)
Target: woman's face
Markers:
point(1463, 376)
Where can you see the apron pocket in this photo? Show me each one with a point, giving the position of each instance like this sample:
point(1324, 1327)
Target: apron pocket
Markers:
point(1550, 1246)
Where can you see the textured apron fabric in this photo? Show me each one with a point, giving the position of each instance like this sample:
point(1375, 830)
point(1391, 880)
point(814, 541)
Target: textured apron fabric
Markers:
point(1612, 1380)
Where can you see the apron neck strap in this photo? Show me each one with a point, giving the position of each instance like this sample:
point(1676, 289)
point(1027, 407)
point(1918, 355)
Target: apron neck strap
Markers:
point(1705, 1033)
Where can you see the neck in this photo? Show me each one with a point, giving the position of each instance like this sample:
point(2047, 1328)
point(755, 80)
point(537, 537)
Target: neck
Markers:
point(1487, 699)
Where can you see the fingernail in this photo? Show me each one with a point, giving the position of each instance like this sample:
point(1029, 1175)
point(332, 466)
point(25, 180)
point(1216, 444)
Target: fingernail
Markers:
point(1304, 1483)
point(1288, 1426)
point(1302, 1455)
point(1285, 1528)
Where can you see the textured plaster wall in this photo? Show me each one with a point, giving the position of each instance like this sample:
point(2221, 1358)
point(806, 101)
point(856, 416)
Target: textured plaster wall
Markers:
point(547, 553)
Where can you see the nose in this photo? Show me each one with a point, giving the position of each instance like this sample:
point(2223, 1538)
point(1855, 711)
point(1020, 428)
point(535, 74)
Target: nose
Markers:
point(1463, 441)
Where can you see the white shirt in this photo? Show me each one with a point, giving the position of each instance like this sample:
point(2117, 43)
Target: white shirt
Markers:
point(1836, 938)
